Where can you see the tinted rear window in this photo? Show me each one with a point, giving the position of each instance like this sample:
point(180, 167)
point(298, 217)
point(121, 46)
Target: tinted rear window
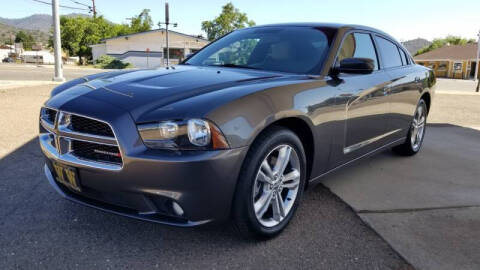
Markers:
point(389, 52)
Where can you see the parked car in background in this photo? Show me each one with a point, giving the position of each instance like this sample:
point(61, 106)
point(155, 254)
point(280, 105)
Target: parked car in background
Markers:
point(8, 60)
point(239, 129)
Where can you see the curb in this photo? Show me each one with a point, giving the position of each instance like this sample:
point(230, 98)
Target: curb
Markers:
point(456, 92)
point(17, 84)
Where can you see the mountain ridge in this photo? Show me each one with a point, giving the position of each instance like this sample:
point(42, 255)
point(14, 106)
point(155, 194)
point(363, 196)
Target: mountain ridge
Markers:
point(41, 22)
point(414, 45)
point(35, 22)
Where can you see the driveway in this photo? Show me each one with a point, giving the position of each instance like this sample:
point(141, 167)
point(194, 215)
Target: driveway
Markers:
point(427, 206)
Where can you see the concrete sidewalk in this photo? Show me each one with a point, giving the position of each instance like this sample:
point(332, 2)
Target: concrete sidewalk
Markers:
point(456, 86)
point(427, 206)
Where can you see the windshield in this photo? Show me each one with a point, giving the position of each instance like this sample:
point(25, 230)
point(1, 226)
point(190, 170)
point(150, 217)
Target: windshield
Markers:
point(285, 49)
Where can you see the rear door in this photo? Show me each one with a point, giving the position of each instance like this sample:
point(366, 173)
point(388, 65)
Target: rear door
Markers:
point(402, 90)
point(364, 100)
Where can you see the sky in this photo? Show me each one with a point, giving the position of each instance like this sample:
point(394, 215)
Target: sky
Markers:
point(405, 20)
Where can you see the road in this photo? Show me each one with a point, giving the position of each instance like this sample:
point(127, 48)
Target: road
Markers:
point(16, 72)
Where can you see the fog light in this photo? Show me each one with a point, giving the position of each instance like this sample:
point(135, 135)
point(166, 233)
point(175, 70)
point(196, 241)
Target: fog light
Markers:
point(177, 209)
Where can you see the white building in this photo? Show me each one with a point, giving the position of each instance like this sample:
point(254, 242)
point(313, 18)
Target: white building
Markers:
point(38, 57)
point(4, 53)
point(148, 49)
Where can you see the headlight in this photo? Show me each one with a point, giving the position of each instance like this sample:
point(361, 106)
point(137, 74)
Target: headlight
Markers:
point(193, 134)
point(199, 132)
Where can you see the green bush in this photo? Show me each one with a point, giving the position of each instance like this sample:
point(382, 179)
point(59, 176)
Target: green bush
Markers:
point(109, 62)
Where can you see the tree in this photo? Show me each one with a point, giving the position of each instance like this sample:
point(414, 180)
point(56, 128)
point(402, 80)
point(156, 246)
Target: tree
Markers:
point(230, 19)
point(26, 39)
point(440, 42)
point(141, 23)
point(78, 33)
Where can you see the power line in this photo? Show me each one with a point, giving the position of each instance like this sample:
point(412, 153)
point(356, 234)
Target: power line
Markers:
point(79, 3)
point(62, 6)
point(91, 9)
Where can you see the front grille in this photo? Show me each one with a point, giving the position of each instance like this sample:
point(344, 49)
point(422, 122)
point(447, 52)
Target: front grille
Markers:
point(96, 152)
point(79, 139)
point(86, 125)
point(49, 115)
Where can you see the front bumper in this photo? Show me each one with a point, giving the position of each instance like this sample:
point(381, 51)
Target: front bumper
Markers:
point(202, 183)
point(148, 181)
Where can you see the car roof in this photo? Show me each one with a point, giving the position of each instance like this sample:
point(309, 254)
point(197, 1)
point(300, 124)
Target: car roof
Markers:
point(328, 25)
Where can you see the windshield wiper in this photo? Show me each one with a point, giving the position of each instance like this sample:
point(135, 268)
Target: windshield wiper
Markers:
point(233, 66)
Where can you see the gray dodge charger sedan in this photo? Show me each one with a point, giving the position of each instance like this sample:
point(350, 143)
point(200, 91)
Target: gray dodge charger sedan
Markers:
point(238, 130)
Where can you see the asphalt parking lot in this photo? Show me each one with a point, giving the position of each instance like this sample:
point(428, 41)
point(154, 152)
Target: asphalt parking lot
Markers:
point(372, 215)
point(40, 230)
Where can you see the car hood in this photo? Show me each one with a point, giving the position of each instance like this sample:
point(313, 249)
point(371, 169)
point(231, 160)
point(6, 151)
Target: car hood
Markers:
point(141, 91)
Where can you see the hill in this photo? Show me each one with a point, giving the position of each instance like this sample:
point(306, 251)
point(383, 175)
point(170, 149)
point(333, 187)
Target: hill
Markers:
point(416, 44)
point(6, 31)
point(38, 25)
point(41, 22)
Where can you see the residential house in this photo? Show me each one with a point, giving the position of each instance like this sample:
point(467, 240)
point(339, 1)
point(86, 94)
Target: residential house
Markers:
point(451, 61)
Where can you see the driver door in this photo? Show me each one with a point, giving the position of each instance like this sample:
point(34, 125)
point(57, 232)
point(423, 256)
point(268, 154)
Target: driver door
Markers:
point(363, 97)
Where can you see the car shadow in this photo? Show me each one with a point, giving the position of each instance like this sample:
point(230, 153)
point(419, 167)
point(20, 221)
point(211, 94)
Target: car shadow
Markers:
point(38, 227)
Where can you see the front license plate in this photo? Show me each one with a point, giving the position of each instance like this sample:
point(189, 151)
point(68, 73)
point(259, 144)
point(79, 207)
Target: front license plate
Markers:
point(67, 176)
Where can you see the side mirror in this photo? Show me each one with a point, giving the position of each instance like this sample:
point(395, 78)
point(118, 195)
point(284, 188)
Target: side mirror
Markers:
point(355, 66)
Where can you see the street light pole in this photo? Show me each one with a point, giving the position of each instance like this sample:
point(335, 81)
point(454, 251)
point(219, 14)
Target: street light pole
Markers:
point(57, 43)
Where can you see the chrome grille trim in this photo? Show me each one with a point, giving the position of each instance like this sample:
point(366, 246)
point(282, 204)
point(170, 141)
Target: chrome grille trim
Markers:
point(66, 132)
point(70, 159)
point(45, 118)
point(56, 142)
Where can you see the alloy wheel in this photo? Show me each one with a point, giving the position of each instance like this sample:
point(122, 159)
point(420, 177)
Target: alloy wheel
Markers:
point(276, 185)
point(417, 130)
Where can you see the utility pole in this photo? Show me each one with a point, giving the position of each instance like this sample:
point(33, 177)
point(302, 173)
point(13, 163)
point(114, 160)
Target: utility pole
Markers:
point(167, 23)
point(478, 56)
point(57, 43)
point(94, 9)
point(12, 44)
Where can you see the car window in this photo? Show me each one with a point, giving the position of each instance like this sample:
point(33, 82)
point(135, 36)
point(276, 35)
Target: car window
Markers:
point(407, 57)
point(358, 45)
point(403, 56)
point(236, 53)
point(390, 54)
point(285, 49)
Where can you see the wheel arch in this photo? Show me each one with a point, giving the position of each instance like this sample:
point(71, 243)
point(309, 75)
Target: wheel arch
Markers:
point(303, 130)
point(428, 100)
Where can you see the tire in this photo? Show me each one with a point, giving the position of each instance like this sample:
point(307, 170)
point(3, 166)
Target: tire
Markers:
point(417, 129)
point(253, 188)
